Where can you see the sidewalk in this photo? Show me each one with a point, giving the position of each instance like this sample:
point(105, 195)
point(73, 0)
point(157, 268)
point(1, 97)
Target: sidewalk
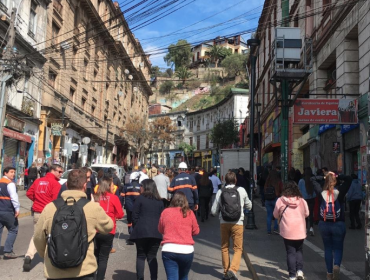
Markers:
point(268, 256)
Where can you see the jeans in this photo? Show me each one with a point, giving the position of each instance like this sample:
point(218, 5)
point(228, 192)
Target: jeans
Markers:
point(270, 205)
point(86, 277)
point(31, 251)
point(236, 233)
point(311, 206)
point(354, 212)
point(8, 220)
point(333, 234)
point(177, 266)
point(294, 251)
point(103, 245)
point(204, 207)
point(147, 249)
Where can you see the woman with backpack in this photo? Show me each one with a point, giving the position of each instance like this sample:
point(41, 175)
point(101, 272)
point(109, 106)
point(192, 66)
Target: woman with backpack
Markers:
point(112, 207)
point(291, 211)
point(205, 191)
point(307, 188)
point(145, 218)
point(272, 190)
point(332, 226)
point(178, 225)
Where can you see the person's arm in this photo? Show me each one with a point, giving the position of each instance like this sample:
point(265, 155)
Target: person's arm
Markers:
point(350, 193)
point(306, 210)
point(195, 193)
point(316, 186)
point(31, 192)
point(12, 190)
point(247, 202)
point(117, 207)
point(219, 183)
point(170, 189)
point(55, 190)
point(276, 209)
point(161, 224)
point(216, 207)
point(195, 226)
point(104, 223)
point(344, 187)
point(136, 211)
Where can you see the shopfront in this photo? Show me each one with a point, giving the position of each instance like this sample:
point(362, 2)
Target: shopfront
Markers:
point(197, 159)
point(207, 160)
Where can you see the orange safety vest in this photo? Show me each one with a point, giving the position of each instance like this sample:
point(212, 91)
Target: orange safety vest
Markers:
point(97, 187)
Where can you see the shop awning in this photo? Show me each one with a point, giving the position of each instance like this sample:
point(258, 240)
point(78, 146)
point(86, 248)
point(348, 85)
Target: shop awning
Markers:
point(16, 135)
point(271, 147)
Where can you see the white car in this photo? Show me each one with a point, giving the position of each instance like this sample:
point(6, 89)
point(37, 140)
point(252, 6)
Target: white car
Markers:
point(64, 177)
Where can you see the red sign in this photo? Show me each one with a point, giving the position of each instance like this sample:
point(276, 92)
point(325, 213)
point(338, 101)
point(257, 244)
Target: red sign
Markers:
point(326, 111)
point(16, 135)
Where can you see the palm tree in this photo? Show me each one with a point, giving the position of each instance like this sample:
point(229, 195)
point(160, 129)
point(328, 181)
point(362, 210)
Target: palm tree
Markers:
point(216, 53)
point(183, 74)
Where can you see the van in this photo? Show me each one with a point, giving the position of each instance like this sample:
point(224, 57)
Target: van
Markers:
point(106, 167)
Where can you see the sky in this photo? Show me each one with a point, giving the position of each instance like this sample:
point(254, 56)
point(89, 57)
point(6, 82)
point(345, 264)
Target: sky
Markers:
point(200, 20)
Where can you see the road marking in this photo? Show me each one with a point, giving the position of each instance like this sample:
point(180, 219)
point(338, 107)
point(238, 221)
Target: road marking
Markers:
point(351, 275)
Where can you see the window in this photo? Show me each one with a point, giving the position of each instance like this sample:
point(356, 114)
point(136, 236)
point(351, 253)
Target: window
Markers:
point(52, 78)
point(83, 102)
point(207, 141)
point(84, 70)
point(72, 92)
point(54, 34)
point(32, 21)
point(191, 125)
point(325, 3)
point(191, 141)
point(198, 142)
point(198, 124)
point(95, 77)
point(4, 5)
point(74, 58)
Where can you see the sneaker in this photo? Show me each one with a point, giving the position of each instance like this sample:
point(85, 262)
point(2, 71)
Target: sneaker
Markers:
point(27, 264)
point(312, 233)
point(269, 232)
point(10, 256)
point(128, 242)
point(276, 232)
point(336, 271)
point(300, 275)
point(231, 274)
point(292, 278)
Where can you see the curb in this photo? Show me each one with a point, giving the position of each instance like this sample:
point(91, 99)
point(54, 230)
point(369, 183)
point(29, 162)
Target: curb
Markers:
point(25, 214)
point(250, 266)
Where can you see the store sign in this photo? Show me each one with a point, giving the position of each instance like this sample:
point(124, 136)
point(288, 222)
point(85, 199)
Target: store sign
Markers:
point(14, 123)
point(197, 154)
point(326, 111)
point(16, 135)
point(206, 153)
point(56, 129)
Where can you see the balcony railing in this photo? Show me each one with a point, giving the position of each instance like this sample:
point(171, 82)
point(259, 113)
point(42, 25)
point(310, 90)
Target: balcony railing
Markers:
point(58, 7)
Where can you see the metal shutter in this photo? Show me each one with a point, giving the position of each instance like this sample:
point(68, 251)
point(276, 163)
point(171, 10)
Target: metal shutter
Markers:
point(10, 152)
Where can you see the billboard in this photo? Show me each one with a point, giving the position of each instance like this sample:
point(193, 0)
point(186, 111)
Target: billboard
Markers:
point(326, 111)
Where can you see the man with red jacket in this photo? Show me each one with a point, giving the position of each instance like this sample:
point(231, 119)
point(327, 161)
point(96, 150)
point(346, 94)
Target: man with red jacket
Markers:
point(43, 191)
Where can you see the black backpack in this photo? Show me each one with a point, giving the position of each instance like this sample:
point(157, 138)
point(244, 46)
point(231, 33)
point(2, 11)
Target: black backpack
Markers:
point(231, 209)
point(68, 239)
point(270, 193)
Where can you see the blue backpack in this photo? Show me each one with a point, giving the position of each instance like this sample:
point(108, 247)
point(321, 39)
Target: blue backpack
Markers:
point(330, 211)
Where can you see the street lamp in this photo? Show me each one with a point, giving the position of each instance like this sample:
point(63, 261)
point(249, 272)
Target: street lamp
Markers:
point(259, 133)
point(253, 44)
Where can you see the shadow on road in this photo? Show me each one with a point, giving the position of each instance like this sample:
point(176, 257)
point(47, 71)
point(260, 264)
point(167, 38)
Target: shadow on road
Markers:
point(206, 269)
point(123, 274)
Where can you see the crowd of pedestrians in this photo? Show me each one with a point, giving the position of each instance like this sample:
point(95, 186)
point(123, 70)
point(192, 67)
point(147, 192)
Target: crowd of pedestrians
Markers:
point(161, 207)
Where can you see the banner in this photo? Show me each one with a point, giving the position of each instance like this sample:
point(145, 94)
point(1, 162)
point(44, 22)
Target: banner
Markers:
point(326, 111)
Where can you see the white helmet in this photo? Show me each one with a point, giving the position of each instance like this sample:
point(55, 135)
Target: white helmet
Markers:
point(183, 165)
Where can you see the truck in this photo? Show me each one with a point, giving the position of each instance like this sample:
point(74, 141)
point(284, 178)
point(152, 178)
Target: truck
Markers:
point(233, 159)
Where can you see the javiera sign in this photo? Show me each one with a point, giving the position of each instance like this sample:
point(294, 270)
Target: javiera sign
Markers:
point(326, 111)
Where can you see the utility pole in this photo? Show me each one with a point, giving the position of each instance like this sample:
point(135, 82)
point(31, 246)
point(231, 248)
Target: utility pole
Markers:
point(63, 138)
point(106, 143)
point(7, 56)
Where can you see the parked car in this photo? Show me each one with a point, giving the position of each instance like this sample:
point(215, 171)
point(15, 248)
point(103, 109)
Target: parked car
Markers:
point(106, 167)
point(64, 177)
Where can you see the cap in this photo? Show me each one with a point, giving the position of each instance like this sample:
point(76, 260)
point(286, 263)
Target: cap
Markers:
point(183, 165)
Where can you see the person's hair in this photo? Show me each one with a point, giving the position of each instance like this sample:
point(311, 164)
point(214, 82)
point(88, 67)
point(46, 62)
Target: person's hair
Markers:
point(354, 176)
point(291, 189)
point(325, 168)
point(242, 171)
point(33, 164)
point(298, 176)
point(150, 189)
point(76, 179)
point(230, 178)
point(273, 179)
point(291, 174)
point(214, 172)
point(330, 182)
point(307, 180)
point(104, 187)
point(86, 169)
point(7, 169)
point(204, 180)
point(161, 170)
point(142, 168)
point(55, 167)
point(319, 172)
point(179, 200)
point(197, 168)
point(100, 174)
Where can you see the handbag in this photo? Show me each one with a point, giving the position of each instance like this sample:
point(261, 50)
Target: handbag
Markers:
point(281, 216)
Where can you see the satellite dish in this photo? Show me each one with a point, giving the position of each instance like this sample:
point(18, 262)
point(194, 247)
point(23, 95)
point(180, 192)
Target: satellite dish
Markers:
point(86, 140)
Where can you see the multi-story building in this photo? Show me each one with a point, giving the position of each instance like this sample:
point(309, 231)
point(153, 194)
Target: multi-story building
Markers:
point(23, 88)
point(339, 31)
point(95, 82)
point(199, 124)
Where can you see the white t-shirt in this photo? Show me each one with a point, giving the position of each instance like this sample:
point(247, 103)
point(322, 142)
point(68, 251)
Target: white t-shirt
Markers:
point(215, 182)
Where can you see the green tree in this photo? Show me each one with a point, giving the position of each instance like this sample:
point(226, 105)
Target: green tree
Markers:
point(178, 55)
point(183, 74)
point(169, 72)
point(235, 64)
point(187, 149)
point(217, 53)
point(166, 87)
point(225, 133)
point(155, 71)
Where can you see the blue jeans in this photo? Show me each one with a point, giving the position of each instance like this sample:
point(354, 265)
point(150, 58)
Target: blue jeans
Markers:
point(8, 220)
point(270, 205)
point(333, 237)
point(177, 266)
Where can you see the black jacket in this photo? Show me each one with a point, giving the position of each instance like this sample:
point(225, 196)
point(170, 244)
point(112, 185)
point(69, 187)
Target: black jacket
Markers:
point(205, 190)
point(32, 173)
point(145, 218)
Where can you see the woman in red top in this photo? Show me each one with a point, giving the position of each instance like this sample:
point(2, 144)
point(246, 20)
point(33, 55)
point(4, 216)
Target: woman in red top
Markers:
point(112, 206)
point(178, 226)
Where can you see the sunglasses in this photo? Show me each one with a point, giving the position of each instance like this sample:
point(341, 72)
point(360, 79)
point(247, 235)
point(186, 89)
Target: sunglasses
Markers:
point(60, 172)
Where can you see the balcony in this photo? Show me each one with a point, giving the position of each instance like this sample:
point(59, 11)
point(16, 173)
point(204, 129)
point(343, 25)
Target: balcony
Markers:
point(58, 7)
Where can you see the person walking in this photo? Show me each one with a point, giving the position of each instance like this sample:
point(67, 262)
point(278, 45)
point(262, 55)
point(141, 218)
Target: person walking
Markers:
point(231, 227)
point(205, 190)
point(9, 211)
point(162, 182)
point(187, 184)
point(178, 225)
point(147, 210)
point(272, 190)
point(307, 189)
point(354, 198)
point(332, 225)
point(291, 211)
point(112, 207)
point(216, 182)
point(43, 191)
point(44, 169)
point(32, 174)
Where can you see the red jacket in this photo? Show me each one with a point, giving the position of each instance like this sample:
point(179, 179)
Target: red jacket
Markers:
point(112, 206)
point(43, 191)
point(177, 229)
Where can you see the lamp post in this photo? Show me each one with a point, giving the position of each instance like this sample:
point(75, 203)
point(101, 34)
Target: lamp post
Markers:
point(253, 44)
point(259, 133)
